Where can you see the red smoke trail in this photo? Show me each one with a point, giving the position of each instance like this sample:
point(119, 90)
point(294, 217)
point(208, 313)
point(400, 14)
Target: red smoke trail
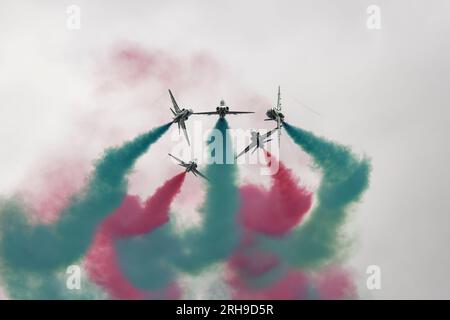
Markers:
point(275, 211)
point(292, 286)
point(49, 192)
point(103, 269)
point(271, 212)
point(131, 65)
point(130, 219)
point(334, 283)
point(251, 263)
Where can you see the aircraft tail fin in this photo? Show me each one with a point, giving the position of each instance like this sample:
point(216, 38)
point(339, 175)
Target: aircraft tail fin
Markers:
point(279, 99)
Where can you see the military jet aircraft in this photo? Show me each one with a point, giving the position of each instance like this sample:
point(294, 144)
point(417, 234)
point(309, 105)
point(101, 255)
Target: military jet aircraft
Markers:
point(222, 110)
point(275, 114)
point(180, 116)
point(190, 166)
point(257, 141)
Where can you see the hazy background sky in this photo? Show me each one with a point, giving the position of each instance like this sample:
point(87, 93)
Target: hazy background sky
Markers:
point(383, 92)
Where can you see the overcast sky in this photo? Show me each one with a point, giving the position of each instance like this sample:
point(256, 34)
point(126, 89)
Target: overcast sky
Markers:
point(383, 92)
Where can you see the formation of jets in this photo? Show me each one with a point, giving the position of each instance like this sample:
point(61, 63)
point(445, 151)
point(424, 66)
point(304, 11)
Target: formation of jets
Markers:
point(181, 115)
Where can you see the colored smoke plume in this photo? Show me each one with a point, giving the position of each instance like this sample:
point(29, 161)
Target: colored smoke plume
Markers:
point(131, 219)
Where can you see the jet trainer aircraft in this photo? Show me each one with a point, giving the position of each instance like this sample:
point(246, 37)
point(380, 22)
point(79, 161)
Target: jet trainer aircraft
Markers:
point(190, 166)
point(275, 114)
point(257, 141)
point(222, 110)
point(180, 116)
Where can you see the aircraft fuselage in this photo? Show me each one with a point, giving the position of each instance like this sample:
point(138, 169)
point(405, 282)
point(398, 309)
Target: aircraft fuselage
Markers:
point(191, 166)
point(274, 114)
point(182, 115)
point(222, 110)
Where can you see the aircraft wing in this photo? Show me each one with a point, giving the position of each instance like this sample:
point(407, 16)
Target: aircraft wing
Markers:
point(253, 144)
point(195, 172)
point(174, 102)
point(268, 134)
point(183, 126)
point(179, 160)
point(228, 112)
point(208, 113)
point(239, 112)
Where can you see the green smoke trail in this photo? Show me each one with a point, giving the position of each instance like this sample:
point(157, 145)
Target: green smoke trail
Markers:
point(43, 248)
point(344, 178)
point(151, 261)
point(218, 234)
point(145, 260)
point(29, 284)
